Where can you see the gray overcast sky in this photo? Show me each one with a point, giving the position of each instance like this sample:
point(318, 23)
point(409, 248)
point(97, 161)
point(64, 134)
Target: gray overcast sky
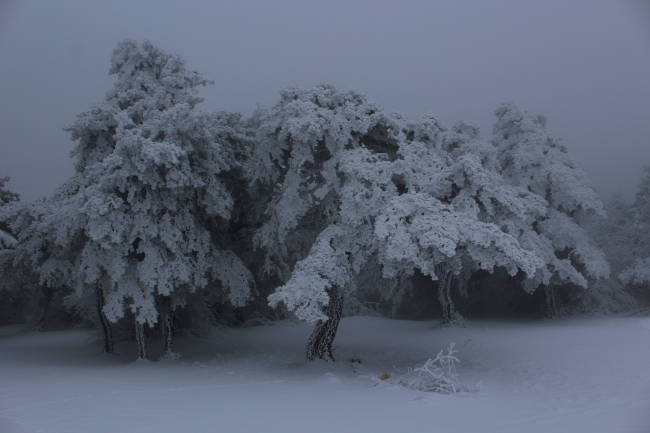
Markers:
point(583, 63)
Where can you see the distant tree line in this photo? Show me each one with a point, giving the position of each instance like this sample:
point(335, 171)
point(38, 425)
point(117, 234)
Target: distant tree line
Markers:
point(178, 219)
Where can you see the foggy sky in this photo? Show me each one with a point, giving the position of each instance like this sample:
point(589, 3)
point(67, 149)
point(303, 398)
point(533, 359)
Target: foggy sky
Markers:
point(585, 64)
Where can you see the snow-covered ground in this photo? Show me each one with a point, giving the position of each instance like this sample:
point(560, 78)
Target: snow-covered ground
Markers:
point(568, 375)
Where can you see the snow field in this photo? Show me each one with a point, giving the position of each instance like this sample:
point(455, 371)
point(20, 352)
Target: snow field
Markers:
point(567, 375)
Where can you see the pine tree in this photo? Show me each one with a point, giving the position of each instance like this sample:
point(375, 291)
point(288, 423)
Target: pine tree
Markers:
point(638, 273)
point(137, 227)
point(534, 159)
point(299, 148)
point(382, 187)
point(151, 164)
point(48, 236)
point(477, 187)
point(6, 196)
point(10, 281)
point(614, 236)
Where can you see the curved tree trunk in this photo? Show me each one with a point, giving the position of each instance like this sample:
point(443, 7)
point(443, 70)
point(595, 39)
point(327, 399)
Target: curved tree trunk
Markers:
point(551, 306)
point(106, 326)
point(167, 328)
point(47, 300)
point(139, 336)
point(320, 342)
point(450, 317)
point(444, 296)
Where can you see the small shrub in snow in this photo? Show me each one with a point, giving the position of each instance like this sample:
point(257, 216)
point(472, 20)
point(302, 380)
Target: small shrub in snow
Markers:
point(438, 375)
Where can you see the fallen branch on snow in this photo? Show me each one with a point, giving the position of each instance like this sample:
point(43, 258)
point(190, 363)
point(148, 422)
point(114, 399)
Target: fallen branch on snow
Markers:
point(438, 375)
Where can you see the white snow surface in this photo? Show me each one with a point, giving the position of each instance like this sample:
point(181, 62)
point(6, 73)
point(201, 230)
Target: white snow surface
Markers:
point(584, 374)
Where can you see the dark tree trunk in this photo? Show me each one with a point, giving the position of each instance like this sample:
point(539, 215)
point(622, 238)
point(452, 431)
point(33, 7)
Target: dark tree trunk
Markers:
point(139, 336)
point(167, 328)
point(106, 326)
point(444, 296)
point(320, 342)
point(450, 317)
point(47, 300)
point(551, 306)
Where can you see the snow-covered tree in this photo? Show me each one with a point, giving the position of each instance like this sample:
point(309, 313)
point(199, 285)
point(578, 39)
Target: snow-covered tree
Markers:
point(6, 196)
point(7, 244)
point(151, 165)
point(477, 187)
point(614, 236)
point(638, 273)
point(380, 186)
point(139, 222)
point(49, 237)
point(534, 159)
point(625, 238)
point(299, 145)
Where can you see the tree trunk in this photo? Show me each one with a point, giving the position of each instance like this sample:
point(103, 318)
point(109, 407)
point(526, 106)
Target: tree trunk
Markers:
point(551, 306)
point(450, 317)
point(139, 336)
point(320, 342)
point(167, 328)
point(444, 296)
point(47, 300)
point(106, 326)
